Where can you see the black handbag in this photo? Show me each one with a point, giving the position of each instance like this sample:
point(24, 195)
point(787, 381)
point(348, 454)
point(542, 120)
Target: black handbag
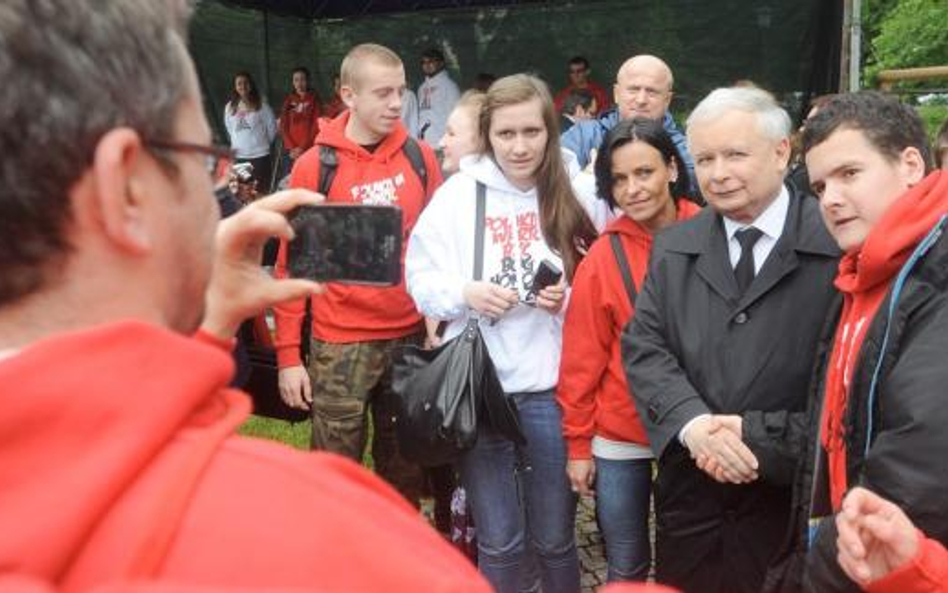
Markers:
point(446, 393)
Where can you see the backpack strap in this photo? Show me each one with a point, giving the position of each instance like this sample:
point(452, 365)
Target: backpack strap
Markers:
point(623, 267)
point(413, 152)
point(479, 222)
point(328, 163)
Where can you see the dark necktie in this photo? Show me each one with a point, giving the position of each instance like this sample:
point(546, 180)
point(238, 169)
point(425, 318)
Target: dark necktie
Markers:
point(744, 270)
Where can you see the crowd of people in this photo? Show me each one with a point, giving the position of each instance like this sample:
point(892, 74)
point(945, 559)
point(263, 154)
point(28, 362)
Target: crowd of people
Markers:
point(752, 360)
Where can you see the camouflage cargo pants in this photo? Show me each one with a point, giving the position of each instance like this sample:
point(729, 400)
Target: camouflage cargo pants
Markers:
point(349, 380)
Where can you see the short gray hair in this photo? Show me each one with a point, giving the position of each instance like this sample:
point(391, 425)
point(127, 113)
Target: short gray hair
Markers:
point(772, 120)
point(73, 70)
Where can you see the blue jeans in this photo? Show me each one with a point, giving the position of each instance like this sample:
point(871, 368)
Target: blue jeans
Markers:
point(515, 499)
point(622, 494)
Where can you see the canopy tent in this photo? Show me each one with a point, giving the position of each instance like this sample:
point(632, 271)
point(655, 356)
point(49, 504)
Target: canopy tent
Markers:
point(790, 48)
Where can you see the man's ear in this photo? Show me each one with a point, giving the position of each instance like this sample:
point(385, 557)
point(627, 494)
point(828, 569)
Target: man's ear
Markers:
point(783, 152)
point(119, 191)
point(347, 94)
point(911, 165)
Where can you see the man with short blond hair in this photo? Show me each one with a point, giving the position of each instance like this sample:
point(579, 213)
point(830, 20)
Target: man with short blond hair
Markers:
point(354, 329)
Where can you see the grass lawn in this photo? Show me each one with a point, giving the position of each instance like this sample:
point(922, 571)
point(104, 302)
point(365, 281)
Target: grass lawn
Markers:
point(294, 434)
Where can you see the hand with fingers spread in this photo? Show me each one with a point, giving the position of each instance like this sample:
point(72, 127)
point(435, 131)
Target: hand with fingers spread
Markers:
point(582, 475)
point(239, 287)
point(488, 299)
point(551, 298)
point(715, 445)
point(874, 537)
point(295, 388)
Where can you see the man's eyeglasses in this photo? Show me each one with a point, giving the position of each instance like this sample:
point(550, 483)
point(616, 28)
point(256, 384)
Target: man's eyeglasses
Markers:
point(216, 157)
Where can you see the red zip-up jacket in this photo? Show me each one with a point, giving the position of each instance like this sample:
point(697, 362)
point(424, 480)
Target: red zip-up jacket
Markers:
point(348, 313)
point(121, 469)
point(592, 390)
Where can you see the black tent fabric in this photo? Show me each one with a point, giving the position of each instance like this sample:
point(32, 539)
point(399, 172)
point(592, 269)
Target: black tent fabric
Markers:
point(789, 48)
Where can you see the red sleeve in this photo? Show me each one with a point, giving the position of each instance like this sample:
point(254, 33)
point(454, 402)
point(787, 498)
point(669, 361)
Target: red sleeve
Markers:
point(926, 573)
point(588, 336)
point(285, 124)
point(289, 315)
point(313, 123)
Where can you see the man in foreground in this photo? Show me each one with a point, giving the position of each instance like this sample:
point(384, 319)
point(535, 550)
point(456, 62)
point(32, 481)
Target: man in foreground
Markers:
point(877, 417)
point(119, 466)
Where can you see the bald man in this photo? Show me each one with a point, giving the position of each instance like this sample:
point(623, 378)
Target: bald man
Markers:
point(643, 88)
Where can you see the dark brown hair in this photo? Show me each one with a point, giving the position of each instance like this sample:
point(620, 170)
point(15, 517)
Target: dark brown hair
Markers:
point(75, 73)
point(253, 95)
point(566, 227)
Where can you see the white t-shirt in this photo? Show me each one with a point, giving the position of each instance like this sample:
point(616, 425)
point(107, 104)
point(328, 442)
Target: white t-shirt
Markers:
point(251, 132)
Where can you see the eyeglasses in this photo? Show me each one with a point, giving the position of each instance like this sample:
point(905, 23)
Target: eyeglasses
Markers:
point(215, 156)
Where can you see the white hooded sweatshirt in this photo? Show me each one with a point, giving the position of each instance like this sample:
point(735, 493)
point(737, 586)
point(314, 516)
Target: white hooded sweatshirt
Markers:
point(525, 343)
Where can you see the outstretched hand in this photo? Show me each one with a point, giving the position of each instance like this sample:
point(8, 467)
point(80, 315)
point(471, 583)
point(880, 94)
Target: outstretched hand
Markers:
point(239, 287)
point(874, 537)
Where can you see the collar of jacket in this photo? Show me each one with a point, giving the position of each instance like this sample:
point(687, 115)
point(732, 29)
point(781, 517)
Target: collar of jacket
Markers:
point(703, 237)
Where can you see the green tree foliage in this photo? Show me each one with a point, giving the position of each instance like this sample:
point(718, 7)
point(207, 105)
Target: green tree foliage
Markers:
point(906, 34)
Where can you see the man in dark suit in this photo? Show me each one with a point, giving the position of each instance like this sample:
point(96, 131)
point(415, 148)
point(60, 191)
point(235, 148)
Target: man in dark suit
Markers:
point(724, 334)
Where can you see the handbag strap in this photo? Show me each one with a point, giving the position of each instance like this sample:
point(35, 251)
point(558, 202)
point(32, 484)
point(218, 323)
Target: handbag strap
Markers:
point(623, 267)
point(479, 217)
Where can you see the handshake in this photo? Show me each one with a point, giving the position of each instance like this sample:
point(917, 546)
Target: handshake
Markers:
point(716, 446)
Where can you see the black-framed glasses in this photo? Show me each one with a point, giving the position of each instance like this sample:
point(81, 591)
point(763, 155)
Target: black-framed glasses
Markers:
point(214, 154)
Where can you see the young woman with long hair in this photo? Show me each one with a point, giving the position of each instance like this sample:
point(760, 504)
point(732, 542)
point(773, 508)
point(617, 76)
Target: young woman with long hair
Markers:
point(520, 496)
point(252, 128)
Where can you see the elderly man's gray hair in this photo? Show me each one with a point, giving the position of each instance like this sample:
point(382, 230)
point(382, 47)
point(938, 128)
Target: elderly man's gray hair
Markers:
point(773, 121)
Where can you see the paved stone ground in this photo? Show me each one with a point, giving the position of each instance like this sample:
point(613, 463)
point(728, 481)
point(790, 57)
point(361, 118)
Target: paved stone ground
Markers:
point(592, 553)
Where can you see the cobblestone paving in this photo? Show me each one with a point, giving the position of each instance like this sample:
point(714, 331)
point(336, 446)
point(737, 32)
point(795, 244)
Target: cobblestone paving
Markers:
point(592, 554)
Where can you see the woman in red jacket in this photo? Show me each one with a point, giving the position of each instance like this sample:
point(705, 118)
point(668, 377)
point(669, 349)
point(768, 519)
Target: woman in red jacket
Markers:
point(638, 171)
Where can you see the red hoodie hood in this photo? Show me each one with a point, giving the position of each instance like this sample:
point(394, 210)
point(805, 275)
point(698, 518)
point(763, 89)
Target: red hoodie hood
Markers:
point(623, 225)
point(68, 400)
point(333, 133)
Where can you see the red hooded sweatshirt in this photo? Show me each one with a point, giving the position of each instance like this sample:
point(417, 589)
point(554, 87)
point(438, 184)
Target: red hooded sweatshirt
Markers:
point(349, 313)
point(864, 279)
point(118, 465)
point(592, 390)
point(298, 120)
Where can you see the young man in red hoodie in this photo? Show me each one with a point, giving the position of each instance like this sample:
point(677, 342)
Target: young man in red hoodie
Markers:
point(119, 468)
point(878, 408)
point(355, 328)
